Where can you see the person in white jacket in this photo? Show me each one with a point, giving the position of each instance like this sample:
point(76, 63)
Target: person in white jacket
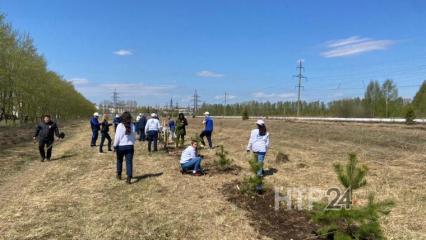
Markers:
point(259, 144)
point(190, 160)
point(152, 129)
point(124, 141)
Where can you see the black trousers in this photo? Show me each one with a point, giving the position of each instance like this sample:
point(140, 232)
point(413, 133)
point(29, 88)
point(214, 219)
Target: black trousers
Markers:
point(152, 138)
point(103, 137)
point(208, 135)
point(41, 147)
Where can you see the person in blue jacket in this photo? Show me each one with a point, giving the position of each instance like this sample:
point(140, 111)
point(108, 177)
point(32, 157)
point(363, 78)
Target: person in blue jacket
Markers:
point(208, 130)
point(141, 126)
point(116, 121)
point(96, 126)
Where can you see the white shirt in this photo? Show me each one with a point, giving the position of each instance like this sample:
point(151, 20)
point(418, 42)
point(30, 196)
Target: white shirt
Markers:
point(258, 143)
point(152, 125)
point(121, 139)
point(188, 154)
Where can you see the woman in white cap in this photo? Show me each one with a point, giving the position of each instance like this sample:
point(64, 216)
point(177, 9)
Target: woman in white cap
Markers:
point(152, 128)
point(259, 144)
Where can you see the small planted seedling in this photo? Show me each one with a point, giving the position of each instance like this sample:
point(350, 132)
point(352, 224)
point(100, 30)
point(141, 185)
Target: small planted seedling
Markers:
point(254, 183)
point(223, 162)
point(356, 222)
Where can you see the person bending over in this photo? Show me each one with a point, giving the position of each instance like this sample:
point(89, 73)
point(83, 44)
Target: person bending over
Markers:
point(208, 130)
point(124, 140)
point(45, 134)
point(190, 160)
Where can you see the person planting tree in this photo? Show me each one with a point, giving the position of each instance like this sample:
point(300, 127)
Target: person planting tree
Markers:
point(190, 160)
point(45, 133)
point(208, 130)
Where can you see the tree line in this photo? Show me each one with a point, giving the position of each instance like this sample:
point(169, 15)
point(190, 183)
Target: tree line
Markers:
point(380, 100)
point(28, 89)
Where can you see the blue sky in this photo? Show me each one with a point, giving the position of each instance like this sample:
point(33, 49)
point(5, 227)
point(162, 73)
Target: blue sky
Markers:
point(151, 51)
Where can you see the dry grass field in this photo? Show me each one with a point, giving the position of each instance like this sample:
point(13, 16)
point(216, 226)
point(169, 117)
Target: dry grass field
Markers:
point(76, 195)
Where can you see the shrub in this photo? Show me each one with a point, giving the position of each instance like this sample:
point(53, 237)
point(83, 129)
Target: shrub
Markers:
point(245, 114)
point(361, 222)
point(223, 162)
point(410, 115)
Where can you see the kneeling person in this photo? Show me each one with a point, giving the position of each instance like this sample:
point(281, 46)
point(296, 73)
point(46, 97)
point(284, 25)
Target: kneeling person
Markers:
point(190, 160)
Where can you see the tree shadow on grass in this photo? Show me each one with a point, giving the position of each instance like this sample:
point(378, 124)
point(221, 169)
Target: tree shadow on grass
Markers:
point(64, 156)
point(141, 177)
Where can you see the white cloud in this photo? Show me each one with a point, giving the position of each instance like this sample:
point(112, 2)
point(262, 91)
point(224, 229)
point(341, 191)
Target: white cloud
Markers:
point(273, 96)
point(354, 46)
point(229, 97)
point(78, 81)
point(206, 73)
point(123, 52)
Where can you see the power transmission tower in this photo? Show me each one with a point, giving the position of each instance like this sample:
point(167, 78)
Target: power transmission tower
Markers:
point(299, 77)
point(171, 103)
point(196, 99)
point(115, 98)
point(224, 107)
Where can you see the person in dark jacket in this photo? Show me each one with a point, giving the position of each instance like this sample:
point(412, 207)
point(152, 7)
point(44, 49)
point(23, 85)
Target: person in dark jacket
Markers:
point(208, 130)
point(180, 131)
point(96, 126)
point(116, 121)
point(141, 125)
point(45, 134)
point(105, 133)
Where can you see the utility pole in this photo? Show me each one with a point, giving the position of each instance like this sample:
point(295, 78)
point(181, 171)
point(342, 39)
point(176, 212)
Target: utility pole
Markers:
point(299, 77)
point(115, 98)
point(196, 99)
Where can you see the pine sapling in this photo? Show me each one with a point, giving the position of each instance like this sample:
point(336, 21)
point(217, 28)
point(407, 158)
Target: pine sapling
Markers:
point(223, 162)
point(351, 177)
point(254, 183)
point(360, 222)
